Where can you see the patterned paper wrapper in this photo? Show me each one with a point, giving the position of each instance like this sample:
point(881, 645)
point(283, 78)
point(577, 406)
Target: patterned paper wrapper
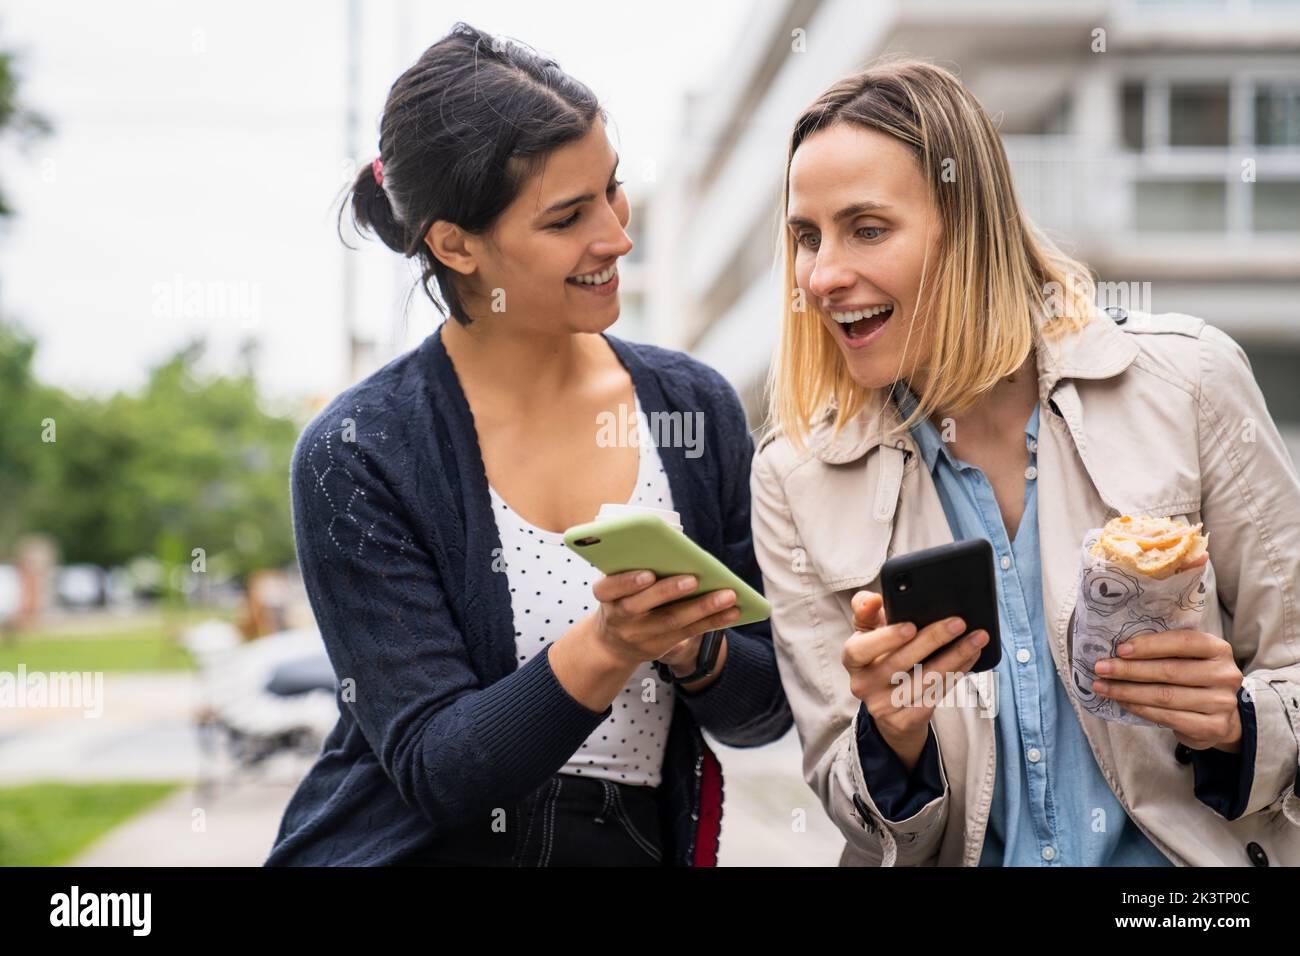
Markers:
point(1114, 605)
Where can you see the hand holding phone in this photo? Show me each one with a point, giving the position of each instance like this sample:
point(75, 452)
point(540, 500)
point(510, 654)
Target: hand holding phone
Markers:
point(638, 619)
point(880, 658)
point(634, 541)
point(930, 599)
point(641, 619)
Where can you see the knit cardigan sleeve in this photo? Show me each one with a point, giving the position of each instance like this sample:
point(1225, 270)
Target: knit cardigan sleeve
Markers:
point(745, 706)
point(454, 749)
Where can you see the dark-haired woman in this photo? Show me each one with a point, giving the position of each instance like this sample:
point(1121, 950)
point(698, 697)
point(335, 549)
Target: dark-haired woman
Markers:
point(498, 703)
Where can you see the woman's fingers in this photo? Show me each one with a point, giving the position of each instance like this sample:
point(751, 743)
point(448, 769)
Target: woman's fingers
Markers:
point(632, 615)
point(948, 665)
point(1188, 672)
point(680, 617)
point(612, 587)
point(930, 639)
point(1201, 700)
point(1183, 642)
point(960, 656)
point(661, 592)
point(863, 648)
point(714, 622)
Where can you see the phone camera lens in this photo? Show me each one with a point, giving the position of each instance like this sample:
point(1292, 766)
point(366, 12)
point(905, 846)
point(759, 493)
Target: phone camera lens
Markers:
point(903, 582)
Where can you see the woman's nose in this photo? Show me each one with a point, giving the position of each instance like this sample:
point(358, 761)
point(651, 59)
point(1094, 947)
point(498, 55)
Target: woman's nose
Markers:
point(828, 276)
point(614, 240)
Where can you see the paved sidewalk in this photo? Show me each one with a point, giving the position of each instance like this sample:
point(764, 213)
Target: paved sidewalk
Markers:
point(229, 827)
point(771, 818)
point(146, 732)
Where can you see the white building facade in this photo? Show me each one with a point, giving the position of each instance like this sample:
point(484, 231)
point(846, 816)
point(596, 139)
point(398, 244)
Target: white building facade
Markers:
point(1157, 141)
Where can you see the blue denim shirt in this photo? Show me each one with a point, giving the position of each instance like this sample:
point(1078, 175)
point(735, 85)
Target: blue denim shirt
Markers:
point(1051, 804)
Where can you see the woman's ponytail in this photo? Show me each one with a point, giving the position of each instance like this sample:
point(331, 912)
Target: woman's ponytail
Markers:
point(372, 212)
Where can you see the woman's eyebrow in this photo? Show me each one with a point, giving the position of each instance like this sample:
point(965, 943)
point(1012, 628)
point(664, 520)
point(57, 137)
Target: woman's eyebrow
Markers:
point(848, 212)
point(585, 197)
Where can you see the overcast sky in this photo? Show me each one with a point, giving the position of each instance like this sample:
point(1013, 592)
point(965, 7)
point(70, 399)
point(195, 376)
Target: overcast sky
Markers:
point(200, 146)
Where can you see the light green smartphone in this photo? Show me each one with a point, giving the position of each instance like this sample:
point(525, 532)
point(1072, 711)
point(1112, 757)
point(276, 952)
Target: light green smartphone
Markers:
point(637, 542)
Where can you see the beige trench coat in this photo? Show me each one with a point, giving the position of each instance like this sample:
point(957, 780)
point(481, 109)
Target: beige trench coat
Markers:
point(1159, 415)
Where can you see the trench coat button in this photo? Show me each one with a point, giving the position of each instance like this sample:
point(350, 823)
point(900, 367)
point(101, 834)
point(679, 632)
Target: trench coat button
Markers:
point(1183, 753)
point(1119, 315)
point(1256, 854)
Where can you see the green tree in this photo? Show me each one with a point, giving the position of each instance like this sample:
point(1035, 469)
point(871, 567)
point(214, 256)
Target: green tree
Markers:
point(186, 463)
point(20, 396)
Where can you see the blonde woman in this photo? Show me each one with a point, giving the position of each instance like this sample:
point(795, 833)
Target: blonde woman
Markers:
point(944, 374)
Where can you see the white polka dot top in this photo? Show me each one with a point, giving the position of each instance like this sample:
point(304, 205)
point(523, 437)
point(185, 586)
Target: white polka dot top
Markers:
point(550, 589)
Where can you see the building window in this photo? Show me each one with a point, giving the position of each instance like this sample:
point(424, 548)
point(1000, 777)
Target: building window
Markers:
point(1198, 115)
point(1132, 97)
point(1277, 116)
point(1199, 186)
point(1181, 206)
point(1276, 205)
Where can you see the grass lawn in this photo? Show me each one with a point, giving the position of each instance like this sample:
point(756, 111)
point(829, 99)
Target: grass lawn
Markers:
point(149, 646)
point(48, 824)
point(135, 652)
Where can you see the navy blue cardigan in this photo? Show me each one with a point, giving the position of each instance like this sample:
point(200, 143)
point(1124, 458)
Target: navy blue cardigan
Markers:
point(438, 724)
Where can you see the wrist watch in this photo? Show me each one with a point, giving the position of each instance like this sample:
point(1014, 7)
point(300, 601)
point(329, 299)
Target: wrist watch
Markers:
point(705, 660)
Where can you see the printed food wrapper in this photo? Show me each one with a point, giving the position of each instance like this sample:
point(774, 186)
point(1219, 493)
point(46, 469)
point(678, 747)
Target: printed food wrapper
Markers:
point(1114, 605)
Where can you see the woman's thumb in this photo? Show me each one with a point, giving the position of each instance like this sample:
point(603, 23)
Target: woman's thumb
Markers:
point(868, 611)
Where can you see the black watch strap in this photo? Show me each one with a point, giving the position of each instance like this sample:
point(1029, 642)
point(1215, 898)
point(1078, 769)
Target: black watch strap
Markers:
point(706, 660)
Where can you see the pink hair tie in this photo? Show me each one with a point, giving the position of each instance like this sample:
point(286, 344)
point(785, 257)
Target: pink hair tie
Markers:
point(377, 167)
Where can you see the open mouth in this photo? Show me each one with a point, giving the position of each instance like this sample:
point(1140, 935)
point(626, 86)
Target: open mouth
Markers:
point(602, 282)
point(863, 325)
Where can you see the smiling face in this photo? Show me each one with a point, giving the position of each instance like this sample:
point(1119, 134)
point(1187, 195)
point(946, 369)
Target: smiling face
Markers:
point(863, 224)
point(554, 250)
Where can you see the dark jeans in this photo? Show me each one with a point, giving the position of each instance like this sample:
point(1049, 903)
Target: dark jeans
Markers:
point(568, 821)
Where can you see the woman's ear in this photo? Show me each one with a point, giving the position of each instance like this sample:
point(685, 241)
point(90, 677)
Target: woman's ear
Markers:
point(453, 247)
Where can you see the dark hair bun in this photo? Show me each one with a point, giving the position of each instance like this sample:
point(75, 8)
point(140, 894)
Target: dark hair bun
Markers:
point(373, 213)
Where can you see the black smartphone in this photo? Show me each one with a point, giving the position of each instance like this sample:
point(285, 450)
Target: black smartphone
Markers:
point(955, 579)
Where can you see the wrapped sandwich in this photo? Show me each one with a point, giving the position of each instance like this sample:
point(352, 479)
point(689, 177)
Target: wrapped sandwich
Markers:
point(1138, 575)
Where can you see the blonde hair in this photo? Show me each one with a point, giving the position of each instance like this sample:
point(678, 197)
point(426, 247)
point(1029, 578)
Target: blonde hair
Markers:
point(997, 277)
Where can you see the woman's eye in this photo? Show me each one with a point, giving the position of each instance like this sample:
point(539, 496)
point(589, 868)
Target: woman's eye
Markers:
point(808, 240)
point(565, 223)
point(614, 185)
point(878, 230)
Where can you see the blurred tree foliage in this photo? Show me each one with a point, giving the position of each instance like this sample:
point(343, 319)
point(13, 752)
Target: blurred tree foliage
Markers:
point(185, 463)
point(17, 122)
